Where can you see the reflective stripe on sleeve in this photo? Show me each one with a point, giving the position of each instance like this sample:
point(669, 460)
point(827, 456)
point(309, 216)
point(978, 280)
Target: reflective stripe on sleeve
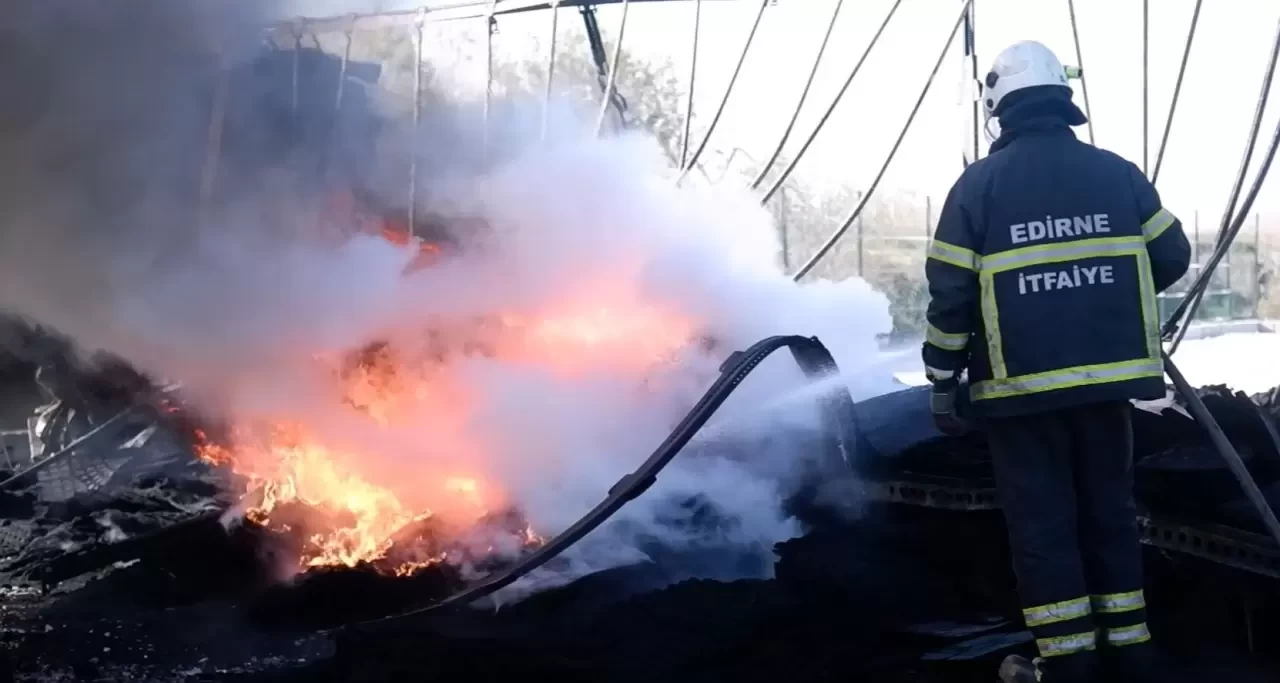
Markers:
point(937, 374)
point(1081, 375)
point(945, 340)
point(1066, 645)
point(1157, 224)
point(956, 256)
point(1127, 635)
point(1116, 603)
point(1056, 612)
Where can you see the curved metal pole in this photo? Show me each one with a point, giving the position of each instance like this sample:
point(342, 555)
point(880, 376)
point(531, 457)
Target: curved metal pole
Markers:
point(1146, 86)
point(551, 68)
point(296, 29)
point(804, 94)
point(213, 139)
point(1084, 84)
point(1224, 245)
point(728, 91)
point(417, 122)
point(1256, 125)
point(835, 236)
point(971, 57)
point(613, 69)
point(693, 72)
point(489, 23)
point(1177, 91)
point(1231, 221)
point(813, 135)
point(348, 31)
point(1228, 452)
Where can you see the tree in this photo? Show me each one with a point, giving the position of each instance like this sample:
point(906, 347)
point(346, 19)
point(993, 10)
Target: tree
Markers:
point(652, 92)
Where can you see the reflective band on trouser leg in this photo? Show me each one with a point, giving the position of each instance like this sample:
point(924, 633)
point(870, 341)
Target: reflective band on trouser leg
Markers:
point(1127, 635)
point(956, 256)
point(1157, 224)
point(1062, 628)
point(1118, 603)
point(1056, 612)
point(1065, 378)
point(945, 340)
point(1067, 645)
point(1122, 616)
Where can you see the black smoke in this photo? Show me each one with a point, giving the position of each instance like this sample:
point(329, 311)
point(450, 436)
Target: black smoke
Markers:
point(106, 118)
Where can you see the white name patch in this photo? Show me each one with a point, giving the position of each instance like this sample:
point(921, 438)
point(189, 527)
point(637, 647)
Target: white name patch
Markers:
point(1057, 228)
point(1076, 276)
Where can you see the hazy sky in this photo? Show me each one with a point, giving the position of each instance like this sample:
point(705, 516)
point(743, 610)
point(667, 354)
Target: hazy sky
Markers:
point(1225, 72)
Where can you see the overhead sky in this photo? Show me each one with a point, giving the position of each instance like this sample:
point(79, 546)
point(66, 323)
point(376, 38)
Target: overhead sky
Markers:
point(1223, 79)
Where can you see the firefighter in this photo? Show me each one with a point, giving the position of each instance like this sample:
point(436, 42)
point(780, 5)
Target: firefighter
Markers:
point(1043, 275)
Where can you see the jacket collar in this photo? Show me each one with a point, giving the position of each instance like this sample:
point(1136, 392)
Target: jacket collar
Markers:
point(1038, 125)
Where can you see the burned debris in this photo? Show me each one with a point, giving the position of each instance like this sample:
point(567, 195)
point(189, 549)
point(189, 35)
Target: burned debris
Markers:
point(110, 558)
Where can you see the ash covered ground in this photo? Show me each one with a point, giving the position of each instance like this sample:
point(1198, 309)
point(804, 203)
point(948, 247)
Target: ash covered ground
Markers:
point(126, 571)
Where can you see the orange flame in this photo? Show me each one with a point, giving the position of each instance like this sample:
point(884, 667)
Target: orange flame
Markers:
point(350, 507)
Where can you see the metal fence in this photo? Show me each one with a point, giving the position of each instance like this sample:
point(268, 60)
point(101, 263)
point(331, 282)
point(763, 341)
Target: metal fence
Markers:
point(888, 248)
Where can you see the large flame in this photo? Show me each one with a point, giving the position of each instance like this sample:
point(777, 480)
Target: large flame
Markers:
point(349, 506)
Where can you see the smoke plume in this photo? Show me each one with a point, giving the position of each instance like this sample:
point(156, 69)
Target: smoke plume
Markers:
point(107, 239)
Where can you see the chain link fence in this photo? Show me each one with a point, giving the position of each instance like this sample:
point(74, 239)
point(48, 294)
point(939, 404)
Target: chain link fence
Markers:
point(888, 244)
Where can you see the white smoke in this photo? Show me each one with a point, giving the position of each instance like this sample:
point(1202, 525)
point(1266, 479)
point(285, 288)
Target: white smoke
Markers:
point(238, 309)
point(568, 216)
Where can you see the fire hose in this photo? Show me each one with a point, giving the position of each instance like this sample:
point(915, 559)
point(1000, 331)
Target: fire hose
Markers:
point(837, 417)
point(1186, 310)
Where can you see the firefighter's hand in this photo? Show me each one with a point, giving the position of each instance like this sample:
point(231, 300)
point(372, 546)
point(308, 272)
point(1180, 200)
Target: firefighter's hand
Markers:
point(942, 403)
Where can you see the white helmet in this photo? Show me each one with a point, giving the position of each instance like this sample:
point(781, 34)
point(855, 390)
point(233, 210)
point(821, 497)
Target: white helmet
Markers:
point(1022, 65)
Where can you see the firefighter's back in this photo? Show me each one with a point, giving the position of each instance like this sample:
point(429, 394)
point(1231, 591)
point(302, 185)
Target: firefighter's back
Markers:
point(1068, 306)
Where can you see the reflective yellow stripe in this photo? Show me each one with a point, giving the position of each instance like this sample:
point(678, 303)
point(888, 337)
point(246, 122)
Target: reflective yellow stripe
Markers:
point(1157, 224)
point(1003, 385)
point(956, 256)
point(1057, 252)
point(1150, 315)
point(936, 373)
point(1065, 645)
point(1116, 603)
point(991, 325)
point(946, 340)
point(1052, 253)
point(1081, 375)
point(1127, 635)
point(1056, 612)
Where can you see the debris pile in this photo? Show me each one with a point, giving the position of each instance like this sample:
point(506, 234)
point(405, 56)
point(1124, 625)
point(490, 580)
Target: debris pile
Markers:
point(112, 555)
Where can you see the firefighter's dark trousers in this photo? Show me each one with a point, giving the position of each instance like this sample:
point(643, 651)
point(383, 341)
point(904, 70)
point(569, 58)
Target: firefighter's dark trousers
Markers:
point(1065, 483)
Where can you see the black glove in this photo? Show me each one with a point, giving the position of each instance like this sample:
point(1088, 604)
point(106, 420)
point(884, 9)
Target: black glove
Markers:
point(942, 403)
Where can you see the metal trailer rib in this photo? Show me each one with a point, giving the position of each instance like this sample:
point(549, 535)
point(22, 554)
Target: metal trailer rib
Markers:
point(804, 95)
point(857, 211)
point(1177, 91)
point(1230, 225)
point(1084, 84)
point(728, 92)
point(813, 135)
point(611, 84)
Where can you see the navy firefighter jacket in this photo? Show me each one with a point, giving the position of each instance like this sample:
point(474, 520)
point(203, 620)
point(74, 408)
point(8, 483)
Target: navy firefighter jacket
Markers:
point(1043, 276)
